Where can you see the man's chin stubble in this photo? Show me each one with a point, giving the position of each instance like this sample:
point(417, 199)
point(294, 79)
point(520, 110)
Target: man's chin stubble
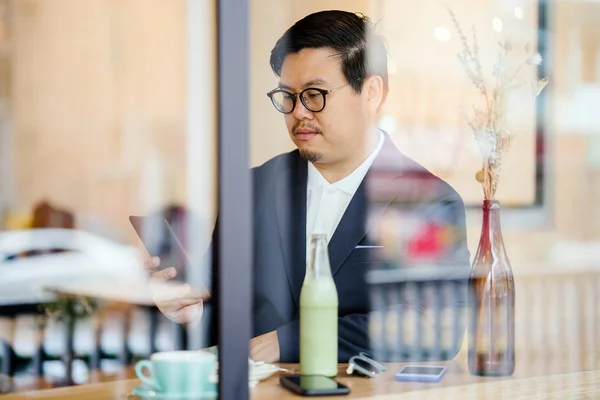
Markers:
point(310, 155)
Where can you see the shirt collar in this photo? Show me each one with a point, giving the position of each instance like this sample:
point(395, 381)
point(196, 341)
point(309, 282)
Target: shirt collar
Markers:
point(315, 179)
point(350, 183)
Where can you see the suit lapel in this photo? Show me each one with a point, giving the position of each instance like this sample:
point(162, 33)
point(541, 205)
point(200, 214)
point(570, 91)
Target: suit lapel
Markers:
point(350, 231)
point(353, 225)
point(290, 202)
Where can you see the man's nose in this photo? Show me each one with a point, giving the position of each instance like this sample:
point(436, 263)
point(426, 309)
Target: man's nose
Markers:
point(300, 112)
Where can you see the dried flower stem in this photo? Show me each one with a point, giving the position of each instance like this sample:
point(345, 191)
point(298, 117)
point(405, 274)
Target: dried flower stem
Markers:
point(490, 124)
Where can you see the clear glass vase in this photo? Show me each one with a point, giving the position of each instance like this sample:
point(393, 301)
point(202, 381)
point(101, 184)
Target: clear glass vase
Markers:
point(491, 301)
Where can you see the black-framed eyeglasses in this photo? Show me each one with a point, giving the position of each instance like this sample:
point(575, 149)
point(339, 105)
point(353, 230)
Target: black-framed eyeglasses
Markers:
point(364, 365)
point(314, 99)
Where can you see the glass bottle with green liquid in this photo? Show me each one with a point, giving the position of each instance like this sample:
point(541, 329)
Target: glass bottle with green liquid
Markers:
point(318, 314)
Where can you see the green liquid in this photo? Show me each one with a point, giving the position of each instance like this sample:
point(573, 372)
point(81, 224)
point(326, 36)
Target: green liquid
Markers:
point(318, 328)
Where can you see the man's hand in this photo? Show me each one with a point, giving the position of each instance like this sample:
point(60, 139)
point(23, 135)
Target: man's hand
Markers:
point(265, 347)
point(175, 301)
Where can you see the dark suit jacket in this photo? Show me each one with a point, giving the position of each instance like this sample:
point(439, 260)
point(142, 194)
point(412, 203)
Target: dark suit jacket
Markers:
point(279, 241)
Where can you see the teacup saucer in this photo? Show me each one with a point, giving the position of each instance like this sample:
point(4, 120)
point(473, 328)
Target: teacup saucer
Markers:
point(146, 392)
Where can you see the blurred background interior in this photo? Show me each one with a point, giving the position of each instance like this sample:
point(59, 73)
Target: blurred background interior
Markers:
point(108, 109)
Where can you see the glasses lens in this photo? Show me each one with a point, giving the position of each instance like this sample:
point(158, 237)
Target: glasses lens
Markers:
point(365, 367)
point(283, 101)
point(313, 100)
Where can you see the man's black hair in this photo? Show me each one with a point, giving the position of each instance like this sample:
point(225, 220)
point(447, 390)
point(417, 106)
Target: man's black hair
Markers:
point(362, 53)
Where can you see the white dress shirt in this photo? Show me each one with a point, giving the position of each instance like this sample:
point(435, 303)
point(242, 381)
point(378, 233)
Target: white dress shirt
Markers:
point(326, 202)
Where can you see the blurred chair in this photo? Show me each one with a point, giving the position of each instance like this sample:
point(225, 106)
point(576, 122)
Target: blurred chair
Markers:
point(28, 259)
point(44, 215)
point(47, 216)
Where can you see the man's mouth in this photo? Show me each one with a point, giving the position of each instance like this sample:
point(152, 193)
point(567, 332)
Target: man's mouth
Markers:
point(305, 133)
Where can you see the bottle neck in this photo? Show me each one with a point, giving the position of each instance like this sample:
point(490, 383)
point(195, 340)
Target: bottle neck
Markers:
point(318, 266)
point(491, 216)
point(491, 232)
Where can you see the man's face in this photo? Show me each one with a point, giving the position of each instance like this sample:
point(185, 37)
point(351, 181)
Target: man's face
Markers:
point(336, 133)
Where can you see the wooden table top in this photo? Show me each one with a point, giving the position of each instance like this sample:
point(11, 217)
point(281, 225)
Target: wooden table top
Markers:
point(530, 381)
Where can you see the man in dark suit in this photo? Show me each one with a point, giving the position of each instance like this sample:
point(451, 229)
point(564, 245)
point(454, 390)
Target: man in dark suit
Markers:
point(333, 83)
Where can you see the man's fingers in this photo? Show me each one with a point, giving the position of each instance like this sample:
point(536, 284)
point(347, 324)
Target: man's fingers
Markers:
point(183, 290)
point(175, 300)
point(165, 294)
point(185, 302)
point(164, 275)
point(177, 305)
point(152, 263)
point(175, 296)
point(177, 309)
point(187, 314)
point(165, 291)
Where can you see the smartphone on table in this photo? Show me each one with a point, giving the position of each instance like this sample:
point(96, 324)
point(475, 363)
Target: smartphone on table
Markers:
point(313, 385)
point(420, 373)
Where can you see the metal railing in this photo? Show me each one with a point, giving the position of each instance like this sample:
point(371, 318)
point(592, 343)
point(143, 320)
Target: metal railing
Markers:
point(420, 313)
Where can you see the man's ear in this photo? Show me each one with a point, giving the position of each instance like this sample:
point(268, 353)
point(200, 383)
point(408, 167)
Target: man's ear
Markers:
point(373, 89)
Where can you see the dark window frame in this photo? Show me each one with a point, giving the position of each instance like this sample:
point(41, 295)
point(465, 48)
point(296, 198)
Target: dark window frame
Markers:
point(234, 249)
